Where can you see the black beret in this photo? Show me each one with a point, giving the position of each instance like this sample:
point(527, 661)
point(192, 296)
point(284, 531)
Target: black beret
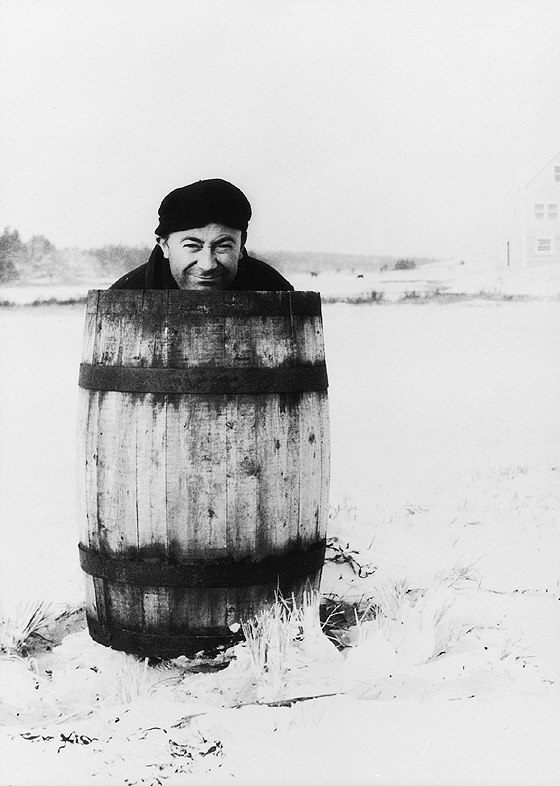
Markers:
point(201, 203)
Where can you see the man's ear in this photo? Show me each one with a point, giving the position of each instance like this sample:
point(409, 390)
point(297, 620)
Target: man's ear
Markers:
point(162, 243)
point(243, 241)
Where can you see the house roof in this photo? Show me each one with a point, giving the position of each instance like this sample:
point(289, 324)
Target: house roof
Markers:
point(552, 160)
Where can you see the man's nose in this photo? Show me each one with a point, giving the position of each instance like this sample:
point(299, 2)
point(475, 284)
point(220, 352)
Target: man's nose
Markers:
point(206, 258)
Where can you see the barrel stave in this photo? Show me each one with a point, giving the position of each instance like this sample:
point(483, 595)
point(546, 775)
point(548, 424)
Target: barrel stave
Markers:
point(157, 608)
point(116, 472)
point(278, 446)
point(123, 605)
point(309, 520)
point(152, 326)
point(195, 477)
point(195, 337)
point(116, 329)
point(151, 472)
point(242, 476)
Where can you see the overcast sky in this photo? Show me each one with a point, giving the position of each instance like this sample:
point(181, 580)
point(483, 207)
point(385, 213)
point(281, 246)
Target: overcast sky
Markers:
point(358, 126)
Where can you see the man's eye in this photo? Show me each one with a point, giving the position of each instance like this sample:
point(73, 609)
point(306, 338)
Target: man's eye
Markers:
point(225, 247)
point(192, 246)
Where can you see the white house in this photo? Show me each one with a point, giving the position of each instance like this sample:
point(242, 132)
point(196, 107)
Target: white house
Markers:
point(541, 242)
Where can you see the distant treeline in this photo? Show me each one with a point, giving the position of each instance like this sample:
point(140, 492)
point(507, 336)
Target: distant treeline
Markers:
point(38, 260)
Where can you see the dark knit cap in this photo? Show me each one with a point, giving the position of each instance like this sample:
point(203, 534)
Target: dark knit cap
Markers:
point(201, 203)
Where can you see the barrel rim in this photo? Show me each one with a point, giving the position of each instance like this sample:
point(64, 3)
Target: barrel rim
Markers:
point(214, 303)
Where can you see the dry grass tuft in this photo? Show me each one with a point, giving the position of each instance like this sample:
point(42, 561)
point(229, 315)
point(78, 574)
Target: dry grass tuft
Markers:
point(417, 622)
point(457, 574)
point(16, 628)
point(131, 679)
point(273, 636)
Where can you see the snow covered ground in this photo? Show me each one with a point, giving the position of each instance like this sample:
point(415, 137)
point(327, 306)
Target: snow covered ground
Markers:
point(445, 427)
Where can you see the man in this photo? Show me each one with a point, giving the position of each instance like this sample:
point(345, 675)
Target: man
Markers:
point(201, 244)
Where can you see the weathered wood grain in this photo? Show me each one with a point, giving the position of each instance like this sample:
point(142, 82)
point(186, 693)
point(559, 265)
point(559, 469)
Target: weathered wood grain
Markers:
point(242, 477)
point(278, 448)
point(195, 332)
point(116, 473)
point(89, 471)
point(150, 467)
point(81, 465)
point(156, 610)
point(325, 461)
point(124, 606)
point(90, 326)
point(310, 525)
point(100, 591)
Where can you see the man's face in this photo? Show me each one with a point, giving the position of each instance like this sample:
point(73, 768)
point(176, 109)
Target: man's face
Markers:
point(204, 258)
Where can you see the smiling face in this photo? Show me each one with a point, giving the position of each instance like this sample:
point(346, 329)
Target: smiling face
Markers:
point(203, 258)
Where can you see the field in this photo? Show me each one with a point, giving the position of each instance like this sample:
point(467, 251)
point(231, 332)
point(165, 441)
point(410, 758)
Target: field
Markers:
point(445, 491)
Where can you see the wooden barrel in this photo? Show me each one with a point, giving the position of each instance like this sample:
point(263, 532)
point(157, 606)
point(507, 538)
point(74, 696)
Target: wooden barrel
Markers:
point(203, 462)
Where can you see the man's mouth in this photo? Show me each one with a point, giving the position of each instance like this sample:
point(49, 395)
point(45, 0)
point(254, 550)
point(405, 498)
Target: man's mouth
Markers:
point(214, 276)
point(202, 280)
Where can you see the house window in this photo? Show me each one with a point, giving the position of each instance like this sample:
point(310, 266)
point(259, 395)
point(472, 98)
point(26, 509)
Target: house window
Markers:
point(552, 212)
point(544, 245)
point(539, 211)
point(557, 173)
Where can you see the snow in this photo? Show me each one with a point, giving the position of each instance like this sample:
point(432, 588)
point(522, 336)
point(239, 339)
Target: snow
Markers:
point(445, 431)
point(42, 292)
point(446, 277)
